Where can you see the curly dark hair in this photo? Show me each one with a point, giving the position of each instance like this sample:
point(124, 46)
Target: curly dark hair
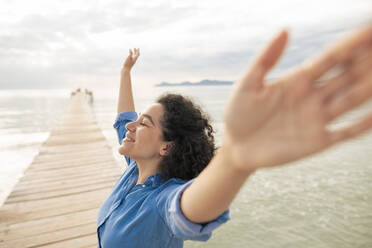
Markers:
point(189, 129)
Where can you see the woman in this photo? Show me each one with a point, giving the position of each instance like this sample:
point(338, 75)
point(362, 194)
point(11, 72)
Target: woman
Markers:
point(175, 187)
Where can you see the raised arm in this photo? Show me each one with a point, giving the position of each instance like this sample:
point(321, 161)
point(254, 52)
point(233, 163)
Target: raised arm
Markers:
point(268, 125)
point(126, 101)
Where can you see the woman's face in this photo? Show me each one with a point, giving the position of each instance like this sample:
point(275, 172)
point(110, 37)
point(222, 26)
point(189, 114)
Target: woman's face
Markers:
point(144, 139)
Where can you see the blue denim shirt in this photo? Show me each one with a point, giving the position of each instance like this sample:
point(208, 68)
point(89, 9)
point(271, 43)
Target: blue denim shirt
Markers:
point(148, 214)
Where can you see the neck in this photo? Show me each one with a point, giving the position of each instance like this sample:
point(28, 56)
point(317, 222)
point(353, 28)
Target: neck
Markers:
point(146, 169)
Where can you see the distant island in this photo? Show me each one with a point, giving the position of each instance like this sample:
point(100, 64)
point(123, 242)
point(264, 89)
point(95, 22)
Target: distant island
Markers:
point(203, 82)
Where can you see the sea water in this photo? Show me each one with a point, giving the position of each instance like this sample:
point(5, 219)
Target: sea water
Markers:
point(321, 201)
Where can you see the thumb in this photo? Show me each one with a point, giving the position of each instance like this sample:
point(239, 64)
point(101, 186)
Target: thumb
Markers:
point(254, 78)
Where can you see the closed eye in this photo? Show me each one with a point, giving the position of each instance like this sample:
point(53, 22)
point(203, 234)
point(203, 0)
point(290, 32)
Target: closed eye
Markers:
point(143, 124)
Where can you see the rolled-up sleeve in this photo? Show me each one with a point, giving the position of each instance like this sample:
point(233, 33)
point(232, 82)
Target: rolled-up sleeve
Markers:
point(178, 224)
point(121, 120)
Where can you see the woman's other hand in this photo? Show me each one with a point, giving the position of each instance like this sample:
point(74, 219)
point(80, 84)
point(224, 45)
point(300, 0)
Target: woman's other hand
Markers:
point(126, 102)
point(131, 59)
point(272, 124)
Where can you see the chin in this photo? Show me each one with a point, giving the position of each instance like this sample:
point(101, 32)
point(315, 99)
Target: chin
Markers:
point(122, 151)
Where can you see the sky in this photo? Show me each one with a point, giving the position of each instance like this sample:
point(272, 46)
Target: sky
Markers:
point(81, 43)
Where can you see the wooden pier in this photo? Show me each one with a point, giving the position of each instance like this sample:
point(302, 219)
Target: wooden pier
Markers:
point(56, 202)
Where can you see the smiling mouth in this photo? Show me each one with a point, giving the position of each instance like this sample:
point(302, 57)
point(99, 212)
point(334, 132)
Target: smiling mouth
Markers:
point(127, 139)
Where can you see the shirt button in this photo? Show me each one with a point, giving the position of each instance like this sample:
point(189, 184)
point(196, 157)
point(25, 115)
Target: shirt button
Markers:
point(143, 185)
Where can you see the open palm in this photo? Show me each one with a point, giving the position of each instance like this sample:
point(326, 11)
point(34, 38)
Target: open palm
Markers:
point(269, 124)
point(131, 59)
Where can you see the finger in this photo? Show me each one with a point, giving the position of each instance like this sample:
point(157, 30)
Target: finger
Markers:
point(336, 85)
point(130, 52)
point(136, 55)
point(265, 61)
point(339, 52)
point(349, 77)
point(351, 131)
point(352, 98)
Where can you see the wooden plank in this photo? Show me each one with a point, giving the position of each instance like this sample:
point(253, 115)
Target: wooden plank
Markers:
point(83, 173)
point(64, 184)
point(45, 208)
point(52, 237)
point(74, 164)
point(80, 242)
point(46, 158)
point(70, 162)
point(56, 202)
point(87, 173)
point(48, 225)
point(63, 166)
point(71, 148)
point(60, 192)
point(72, 129)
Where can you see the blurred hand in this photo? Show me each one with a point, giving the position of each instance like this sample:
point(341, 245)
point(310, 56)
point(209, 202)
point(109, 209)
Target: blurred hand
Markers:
point(272, 124)
point(131, 59)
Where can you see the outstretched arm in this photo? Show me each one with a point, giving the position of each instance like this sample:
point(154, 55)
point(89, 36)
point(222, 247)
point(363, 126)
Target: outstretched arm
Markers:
point(268, 125)
point(126, 101)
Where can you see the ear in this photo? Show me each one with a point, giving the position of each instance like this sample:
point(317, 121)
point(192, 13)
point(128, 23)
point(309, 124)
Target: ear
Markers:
point(165, 148)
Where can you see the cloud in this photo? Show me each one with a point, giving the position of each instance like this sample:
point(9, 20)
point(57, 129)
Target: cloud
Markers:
point(57, 44)
point(49, 48)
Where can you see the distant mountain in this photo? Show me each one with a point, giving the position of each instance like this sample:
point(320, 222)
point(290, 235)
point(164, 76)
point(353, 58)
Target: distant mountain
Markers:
point(203, 82)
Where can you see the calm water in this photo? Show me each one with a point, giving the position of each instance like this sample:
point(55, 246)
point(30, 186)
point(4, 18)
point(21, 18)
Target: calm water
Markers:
point(322, 201)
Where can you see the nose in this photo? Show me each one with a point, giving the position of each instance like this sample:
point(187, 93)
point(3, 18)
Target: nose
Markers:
point(131, 126)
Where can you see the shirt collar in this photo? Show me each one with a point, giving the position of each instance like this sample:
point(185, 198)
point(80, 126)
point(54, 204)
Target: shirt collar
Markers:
point(154, 180)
